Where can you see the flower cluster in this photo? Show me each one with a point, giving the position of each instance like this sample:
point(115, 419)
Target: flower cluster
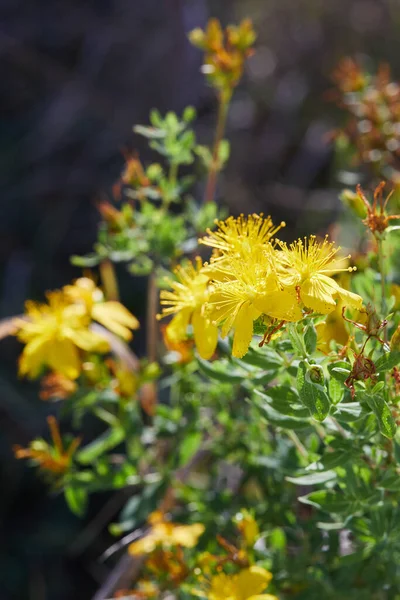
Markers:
point(373, 105)
point(164, 534)
point(230, 574)
point(56, 334)
point(225, 52)
point(253, 275)
point(377, 220)
point(52, 459)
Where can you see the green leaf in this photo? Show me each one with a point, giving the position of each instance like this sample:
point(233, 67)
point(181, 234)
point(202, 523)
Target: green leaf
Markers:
point(189, 446)
point(390, 481)
point(91, 260)
point(339, 373)
point(336, 390)
point(137, 508)
point(189, 114)
point(387, 424)
point(266, 359)
point(220, 371)
point(149, 132)
point(328, 501)
point(285, 400)
point(387, 361)
point(310, 338)
point(330, 526)
point(275, 417)
point(348, 412)
point(105, 442)
point(76, 498)
point(277, 539)
point(313, 478)
point(223, 153)
point(356, 557)
point(312, 394)
point(296, 339)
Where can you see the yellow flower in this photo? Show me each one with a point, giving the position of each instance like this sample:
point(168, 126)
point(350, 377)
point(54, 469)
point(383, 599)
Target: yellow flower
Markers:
point(52, 459)
point(112, 315)
point(252, 288)
point(225, 52)
point(308, 265)
point(248, 584)
point(182, 348)
point(332, 328)
point(187, 302)
point(248, 527)
point(54, 333)
point(238, 237)
point(167, 534)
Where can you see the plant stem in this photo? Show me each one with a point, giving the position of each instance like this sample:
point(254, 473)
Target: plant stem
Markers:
point(381, 260)
point(173, 173)
point(301, 449)
point(224, 100)
point(109, 280)
point(151, 323)
point(148, 391)
point(172, 179)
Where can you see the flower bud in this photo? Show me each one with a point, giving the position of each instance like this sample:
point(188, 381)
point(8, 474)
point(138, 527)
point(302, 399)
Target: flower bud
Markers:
point(354, 203)
point(316, 374)
point(197, 37)
point(395, 340)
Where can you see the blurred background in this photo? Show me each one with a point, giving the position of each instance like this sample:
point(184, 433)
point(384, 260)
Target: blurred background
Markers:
point(75, 77)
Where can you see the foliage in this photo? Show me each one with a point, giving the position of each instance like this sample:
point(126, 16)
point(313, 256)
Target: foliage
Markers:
point(275, 448)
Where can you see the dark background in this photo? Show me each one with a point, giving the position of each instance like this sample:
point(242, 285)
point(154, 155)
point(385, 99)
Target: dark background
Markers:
point(75, 76)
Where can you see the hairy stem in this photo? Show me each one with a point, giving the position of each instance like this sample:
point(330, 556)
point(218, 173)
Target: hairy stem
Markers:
point(382, 271)
point(109, 280)
point(151, 324)
point(296, 441)
point(219, 134)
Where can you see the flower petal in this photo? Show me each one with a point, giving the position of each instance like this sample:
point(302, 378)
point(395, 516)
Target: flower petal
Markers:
point(280, 305)
point(350, 299)
point(263, 597)
point(87, 340)
point(205, 335)
point(115, 317)
point(62, 357)
point(186, 535)
point(176, 330)
point(251, 582)
point(318, 293)
point(243, 329)
point(33, 357)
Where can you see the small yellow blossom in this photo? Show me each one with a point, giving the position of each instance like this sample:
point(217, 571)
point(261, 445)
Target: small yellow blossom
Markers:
point(182, 348)
point(332, 328)
point(186, 301)
point(252, 288)
point(248, 527)
point(238, 238)
point(112, 314)
point(52, 459)
point(171, 562)
point(53, 335)
point(308, 265)
point(143, 590)
point(126, 382)
point(166, 534)
point(241, 235)
point(248, 584)
point(225, 52)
